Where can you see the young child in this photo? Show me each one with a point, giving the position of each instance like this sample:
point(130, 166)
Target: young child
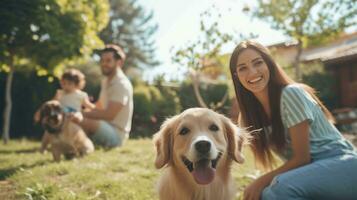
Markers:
point(70, 96)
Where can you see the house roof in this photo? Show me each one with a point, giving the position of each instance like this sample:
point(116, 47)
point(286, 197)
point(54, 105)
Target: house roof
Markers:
point(283, 44)
point(343, 48)
point(347, 53)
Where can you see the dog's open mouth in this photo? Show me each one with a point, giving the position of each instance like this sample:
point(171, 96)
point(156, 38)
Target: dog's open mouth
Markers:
point(203, 170)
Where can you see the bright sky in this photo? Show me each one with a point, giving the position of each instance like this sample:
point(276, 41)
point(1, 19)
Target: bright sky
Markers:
point(179, 20)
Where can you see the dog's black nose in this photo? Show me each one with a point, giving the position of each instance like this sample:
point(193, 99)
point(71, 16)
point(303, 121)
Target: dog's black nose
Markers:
point(203, 146)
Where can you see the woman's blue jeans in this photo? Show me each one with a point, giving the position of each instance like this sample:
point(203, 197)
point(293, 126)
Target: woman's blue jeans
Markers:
point(332, 178)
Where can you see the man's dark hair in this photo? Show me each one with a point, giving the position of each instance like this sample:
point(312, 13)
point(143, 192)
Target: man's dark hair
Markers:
point(117, 51)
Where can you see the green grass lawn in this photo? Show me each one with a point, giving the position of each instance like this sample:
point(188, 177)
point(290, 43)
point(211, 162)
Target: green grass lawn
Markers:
point(123, 173)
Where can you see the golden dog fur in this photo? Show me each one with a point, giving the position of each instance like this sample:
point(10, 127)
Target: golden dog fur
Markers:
point(174, 141)
point(70, 140)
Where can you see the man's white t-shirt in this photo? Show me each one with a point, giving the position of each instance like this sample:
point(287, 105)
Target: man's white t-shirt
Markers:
point(119, 89)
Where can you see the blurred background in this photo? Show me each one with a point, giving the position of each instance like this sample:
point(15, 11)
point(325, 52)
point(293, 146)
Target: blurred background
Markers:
point(178, 53)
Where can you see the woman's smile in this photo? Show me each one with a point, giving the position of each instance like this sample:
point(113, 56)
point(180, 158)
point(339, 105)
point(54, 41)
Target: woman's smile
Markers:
point(255, 80)
point(252, 71)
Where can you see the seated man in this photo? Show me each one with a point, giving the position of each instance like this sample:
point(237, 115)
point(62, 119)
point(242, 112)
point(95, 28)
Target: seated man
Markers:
point(109, 124)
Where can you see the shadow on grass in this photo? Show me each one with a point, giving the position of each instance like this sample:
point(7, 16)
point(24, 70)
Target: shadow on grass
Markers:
point(32, 150)
point(5, 173)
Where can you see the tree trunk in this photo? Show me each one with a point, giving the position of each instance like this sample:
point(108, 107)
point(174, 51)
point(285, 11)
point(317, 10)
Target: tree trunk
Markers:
point(296, 63)
point(195, 83)
point(8, 105)
point(221, 103)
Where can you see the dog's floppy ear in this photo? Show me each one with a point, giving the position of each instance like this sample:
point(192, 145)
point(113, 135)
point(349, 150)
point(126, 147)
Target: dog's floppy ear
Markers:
point(44, 110)
point(236, 138)
point(163, 143)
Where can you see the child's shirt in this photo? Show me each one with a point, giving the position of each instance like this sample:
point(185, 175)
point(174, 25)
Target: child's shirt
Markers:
point(73, 100)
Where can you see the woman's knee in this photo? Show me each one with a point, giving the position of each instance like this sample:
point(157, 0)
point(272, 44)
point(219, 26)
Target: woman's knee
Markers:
point(268, 194)
point(280, 189)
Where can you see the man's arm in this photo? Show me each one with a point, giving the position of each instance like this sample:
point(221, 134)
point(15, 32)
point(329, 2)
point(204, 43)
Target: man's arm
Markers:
point(107, 114)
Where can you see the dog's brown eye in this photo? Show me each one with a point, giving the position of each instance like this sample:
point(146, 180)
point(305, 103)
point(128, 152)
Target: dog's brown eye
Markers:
point(213, 127)
point(184, 131)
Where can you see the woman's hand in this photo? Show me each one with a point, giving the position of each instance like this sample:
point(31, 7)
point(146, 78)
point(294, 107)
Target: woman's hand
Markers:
point(254, 190)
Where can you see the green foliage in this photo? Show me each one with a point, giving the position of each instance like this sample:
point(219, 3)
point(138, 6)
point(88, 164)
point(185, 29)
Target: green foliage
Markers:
point(48, 31)
point(323, 81)
point(31, 91)
point(37, 89)
point(168, 105)
point(203, 58)
point(38, 192)
point(152, 105)
point(132, 28)
point(186, 95)
point(212, 94)
point(206, 48)
point(310, 21)
point(142, 103)
point(40, 34)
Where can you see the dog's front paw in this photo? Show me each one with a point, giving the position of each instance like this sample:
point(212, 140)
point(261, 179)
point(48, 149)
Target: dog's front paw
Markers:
point(42, 150)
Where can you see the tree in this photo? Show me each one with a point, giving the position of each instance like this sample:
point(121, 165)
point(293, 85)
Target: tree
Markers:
point(205, 51)
point(310, 22)
point(43, 33)
point(131, 27)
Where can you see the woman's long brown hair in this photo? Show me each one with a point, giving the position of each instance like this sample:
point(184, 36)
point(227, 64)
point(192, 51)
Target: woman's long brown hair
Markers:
point(252, 114)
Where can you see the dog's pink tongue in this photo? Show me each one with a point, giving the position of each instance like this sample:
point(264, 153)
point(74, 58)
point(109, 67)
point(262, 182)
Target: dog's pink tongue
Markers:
point(203, 172)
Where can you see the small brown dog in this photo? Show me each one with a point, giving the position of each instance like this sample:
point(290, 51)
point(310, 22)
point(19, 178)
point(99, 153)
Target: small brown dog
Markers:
point(65, 137)
point(198, 147)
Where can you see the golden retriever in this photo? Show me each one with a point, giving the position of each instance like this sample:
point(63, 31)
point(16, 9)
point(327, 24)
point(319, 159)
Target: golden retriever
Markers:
point(65, 137)
point(197, 147)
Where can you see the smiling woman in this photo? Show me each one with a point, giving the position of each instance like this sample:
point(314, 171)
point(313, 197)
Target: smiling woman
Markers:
point(253, 71)
point(293, 123)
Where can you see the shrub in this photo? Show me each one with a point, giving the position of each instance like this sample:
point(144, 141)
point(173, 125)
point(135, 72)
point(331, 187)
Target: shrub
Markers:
point(29, 92)
point(151, 106)
point(324, 83)
point(211, 93)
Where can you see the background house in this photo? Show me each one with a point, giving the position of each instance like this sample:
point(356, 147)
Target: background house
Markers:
point(339, 57)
